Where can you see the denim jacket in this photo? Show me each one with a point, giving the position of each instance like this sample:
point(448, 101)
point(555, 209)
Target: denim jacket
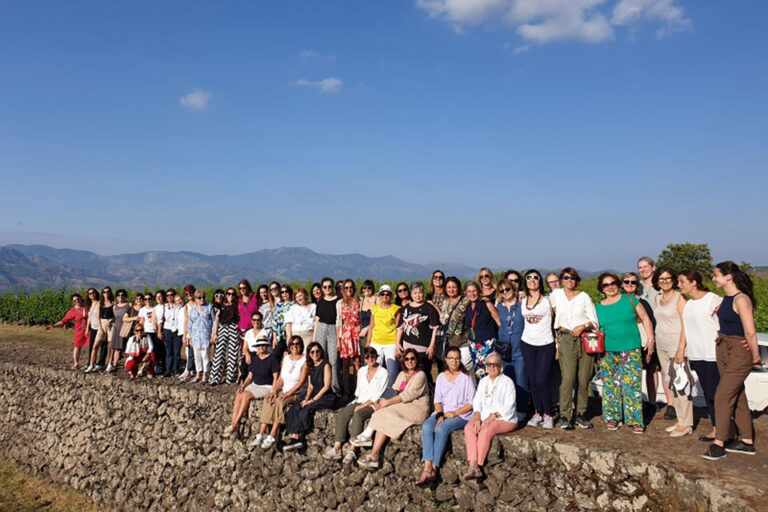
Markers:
point(512, 323)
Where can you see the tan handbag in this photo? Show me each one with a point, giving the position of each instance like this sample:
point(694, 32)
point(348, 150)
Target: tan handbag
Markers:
point(127, 328)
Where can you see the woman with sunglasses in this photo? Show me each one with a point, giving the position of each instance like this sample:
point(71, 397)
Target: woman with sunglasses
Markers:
point(651, 365)
point(382, 333)
point(159, 319)
point(621, 366)
point(485, 280)
point(737, 352)
point(538, 346)
point(282, 306)
point(494, 413)
point(140, 350)
point(106, 312)
point(574, 314)
point(285, 392)
point(454, 392)
point(183, 325)
point(452, 311)
point(171, 347)
point(247, 305)
point(325, 329)
point(403, 294)
point(226, 341)
point(200, 333)
point(366, 303)
point(79, 315)
point(481, 320)
point(266, 303)
point(317, 395)
point(418, 327)
point(371, 384)
point(262, 375)
point(508, 345)
point(394, 415)
point(117, 346)
point(348, 332)
point(436, 293)
point(300, 319)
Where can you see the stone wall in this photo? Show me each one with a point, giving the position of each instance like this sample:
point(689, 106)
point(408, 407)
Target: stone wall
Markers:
point(151, 445)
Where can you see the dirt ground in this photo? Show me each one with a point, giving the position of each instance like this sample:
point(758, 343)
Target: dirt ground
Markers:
point(20, 492)
point(36, 346)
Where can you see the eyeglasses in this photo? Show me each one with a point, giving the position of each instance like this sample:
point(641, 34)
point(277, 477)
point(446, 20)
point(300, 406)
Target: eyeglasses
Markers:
point(532, 277)
point(327, 287)
point(569, 278)
point(485, 276)
point(453, 359)
point(665, 279)
point(409, 359)
point(611, 283)
point(274, 289)
point(493, 365)
point(402, 290)
point(315, 351)
point(505, 290)
point(631, 282)
point(441, 278)
point(295, 344)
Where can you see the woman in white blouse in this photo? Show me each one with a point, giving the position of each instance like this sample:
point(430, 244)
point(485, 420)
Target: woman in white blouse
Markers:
point(372, 381)
point(300, 319)
point(574, 313)
point(293, 375)
point(495, 412)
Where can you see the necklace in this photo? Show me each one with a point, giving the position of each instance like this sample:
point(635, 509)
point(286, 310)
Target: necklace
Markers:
point(664, 301)
point(490, 390)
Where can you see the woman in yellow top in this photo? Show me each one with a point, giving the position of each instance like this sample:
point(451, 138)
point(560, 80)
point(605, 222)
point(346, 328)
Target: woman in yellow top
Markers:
point(382, 333)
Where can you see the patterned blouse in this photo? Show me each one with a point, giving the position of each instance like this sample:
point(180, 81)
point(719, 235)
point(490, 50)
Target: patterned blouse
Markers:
point(278, 319)
point(452, 318)
point(201, 325)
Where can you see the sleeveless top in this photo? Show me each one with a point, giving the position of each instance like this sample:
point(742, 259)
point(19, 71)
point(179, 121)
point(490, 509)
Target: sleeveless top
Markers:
point(479, 322)
point(730, 321)
point(106, 312)
point(668, 325)
point(620, 325)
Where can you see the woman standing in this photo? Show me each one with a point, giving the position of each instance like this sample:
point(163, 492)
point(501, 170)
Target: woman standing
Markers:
point(403, 295)
point(487, 290)
point(159, 319)
point(348, 332)
point(265, 307)
point(511, 325)
point(317, 292)
point(452, 311)
point(247, 305)
point(79, 315)
point(226, 342)
point(618, 316)
point(325, 329)
point(282, 306)
point(171, 346)
point(394, 415)
point(367, 302)
point(574, 314)
point(117, 346)
point(538, 347)
point(183, 325)
point(300, 319)
point(454, 391)
point(316, 396)
point(418, 327)
point(200, 333)
point(382, 333)
point(553, 281)
point(92, 307)
point(668, 312)
point(436, 293)
point(106, 312)
point(495, 413)
point(481, 320)
point(737, 352)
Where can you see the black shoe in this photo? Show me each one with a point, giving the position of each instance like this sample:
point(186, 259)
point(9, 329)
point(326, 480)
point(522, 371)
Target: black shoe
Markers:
point(292, 446)
point(739, 446)
point(706, 439)
point(564, 424)
point(669, 413)
point(715, 452)
point(582, 422)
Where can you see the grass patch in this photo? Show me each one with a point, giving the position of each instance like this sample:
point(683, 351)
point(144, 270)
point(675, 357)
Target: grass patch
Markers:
point(20, 492)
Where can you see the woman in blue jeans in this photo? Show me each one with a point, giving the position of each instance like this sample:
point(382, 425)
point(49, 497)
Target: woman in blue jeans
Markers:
point(511, 326)
point(454, 391)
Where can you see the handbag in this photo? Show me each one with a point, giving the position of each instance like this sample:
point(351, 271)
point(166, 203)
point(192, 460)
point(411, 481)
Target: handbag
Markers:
point(126, 328)
point(504, 349)
point(593, 341)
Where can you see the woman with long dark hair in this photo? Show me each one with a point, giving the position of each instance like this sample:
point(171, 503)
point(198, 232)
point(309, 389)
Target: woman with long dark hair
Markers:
point(79, 315)
point(226, 342)
point(366, 303)
point(487, 289)
point(737, 352)
point(316, 292)
point(452, 311)
point(325, 328)
point(402, 294)
point(348, 332)
point(511, 325)
point(117, 345)
point(247, 305)
point(481, 320)
point(282, 306)
point(436, 288)
point(266, 304)
point(106, 313)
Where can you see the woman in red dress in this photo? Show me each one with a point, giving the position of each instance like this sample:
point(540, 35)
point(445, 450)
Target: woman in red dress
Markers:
point(79, 316)
point(348, 331)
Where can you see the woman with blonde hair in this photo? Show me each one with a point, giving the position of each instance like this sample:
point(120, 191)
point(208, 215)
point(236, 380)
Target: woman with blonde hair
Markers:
point(485, 280)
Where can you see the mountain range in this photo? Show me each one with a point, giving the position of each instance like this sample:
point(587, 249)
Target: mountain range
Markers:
point(31, 267)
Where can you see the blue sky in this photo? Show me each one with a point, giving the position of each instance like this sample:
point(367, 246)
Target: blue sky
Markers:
point(497, 132)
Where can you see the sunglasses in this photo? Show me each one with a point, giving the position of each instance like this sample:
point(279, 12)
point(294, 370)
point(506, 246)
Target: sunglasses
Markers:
point(315, 351)
point(385, 294)
point(254, 320)
point(402, 290)
point(630, 282)
point(230, 294)
point(295, 344)
point(370, 356)
point(612, 283)
point(274, 289)
point(327, 287)
point(441, 278)
point(485, 276)
point(493, 365)
point(532, 277)
point(349, 287)
point(514, 280)
point(242, 288)
point(409, 359)
point(218, 295)
point(283, 291)
point(505, 290)
point(569, 278)
point(366, 288)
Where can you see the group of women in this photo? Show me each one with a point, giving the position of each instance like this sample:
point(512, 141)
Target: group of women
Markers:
point(495, 346)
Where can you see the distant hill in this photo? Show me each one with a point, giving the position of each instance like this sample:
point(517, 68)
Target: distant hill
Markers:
point(32, 267)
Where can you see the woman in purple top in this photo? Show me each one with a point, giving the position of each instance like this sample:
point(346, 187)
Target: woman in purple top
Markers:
point(454, 391)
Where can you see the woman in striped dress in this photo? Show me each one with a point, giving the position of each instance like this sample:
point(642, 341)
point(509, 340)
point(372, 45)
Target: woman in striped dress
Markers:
point(226, 345)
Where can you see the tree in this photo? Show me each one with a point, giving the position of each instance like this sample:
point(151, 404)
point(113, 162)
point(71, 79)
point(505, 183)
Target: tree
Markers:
point(687, 256)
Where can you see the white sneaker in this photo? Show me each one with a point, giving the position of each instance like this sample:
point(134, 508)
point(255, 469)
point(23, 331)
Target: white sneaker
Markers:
point(268, 442)
point(110, 367)
point(89, 369)
point(536, 420)
point(332, 454)
point(256, 440)
point(361, 441)
point(184, 375)
point(349, 457)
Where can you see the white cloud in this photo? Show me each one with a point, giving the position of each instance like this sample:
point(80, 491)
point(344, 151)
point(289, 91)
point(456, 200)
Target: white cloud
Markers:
point(546, 21)
point(195, 100)
point(317, 56)
point(329, 85)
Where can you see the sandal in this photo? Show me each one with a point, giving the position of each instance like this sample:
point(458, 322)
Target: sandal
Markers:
point(472, 474)
point(426, 477)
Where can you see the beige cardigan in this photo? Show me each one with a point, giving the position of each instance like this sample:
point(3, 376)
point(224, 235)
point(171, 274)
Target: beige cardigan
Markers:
point(413, 410)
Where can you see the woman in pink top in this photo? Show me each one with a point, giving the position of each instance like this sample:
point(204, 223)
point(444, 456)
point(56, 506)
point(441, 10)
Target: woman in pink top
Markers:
point(247, 306)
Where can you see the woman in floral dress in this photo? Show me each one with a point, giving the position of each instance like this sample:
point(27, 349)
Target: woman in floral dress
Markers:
point(348, 331)
point(278, 321)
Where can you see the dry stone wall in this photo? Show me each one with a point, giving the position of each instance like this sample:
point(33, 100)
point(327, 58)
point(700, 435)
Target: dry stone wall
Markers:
point(150, 445)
